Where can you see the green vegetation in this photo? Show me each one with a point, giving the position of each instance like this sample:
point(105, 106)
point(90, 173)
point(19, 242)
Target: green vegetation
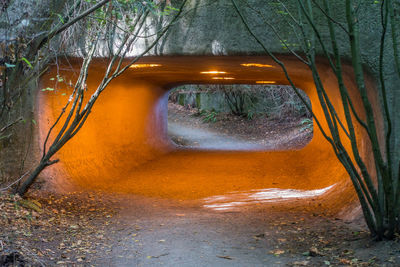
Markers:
point(208, 115)
point(248, 101)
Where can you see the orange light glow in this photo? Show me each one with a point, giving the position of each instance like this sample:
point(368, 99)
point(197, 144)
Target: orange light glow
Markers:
point(265, 82)
point(124, 147)
point(213, 72)
point(256, 65)
point(139, 66)
point(223, 78)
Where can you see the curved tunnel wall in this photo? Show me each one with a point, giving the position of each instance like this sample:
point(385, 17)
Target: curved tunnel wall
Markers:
point(124, 147)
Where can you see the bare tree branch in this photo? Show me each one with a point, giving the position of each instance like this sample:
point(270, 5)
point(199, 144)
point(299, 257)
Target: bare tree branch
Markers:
point(71, 22)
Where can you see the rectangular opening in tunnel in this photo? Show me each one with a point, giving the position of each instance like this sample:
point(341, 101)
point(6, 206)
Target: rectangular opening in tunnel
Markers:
point(238, 117)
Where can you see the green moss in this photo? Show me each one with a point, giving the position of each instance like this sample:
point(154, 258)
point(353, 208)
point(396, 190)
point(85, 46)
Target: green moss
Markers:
point(181, 99)
point(198, 100)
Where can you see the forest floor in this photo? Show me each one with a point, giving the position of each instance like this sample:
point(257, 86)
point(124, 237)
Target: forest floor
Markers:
point(103, 229)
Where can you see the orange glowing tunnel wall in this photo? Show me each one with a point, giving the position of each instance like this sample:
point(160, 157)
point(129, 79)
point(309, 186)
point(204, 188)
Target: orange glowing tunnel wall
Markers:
point(124, 147)
point(126, 128)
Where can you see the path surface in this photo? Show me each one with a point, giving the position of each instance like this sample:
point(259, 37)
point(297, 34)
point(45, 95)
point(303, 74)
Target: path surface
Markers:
point(194, 137)
point(99, 229)
point(175, 235)
point(156, 232)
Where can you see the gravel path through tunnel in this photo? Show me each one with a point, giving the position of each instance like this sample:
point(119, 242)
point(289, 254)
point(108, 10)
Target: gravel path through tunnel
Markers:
point(207, 139)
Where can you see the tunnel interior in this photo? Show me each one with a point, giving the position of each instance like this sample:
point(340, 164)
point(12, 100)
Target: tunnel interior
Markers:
point(124, 147)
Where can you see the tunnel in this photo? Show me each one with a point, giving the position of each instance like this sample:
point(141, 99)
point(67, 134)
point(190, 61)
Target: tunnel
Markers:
point(124, 148)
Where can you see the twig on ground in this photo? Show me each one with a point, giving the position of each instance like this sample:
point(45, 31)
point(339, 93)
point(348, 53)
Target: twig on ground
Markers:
point(13, 183)
point(156, 257)
point(225, 257)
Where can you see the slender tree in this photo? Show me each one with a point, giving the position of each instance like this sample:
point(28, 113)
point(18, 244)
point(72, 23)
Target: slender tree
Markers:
point(127, 23)
point(29, 41)
point(378, 188)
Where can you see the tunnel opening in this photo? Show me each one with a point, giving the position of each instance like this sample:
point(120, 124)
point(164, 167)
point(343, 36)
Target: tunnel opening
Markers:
point(238, 117)
point(124, 145)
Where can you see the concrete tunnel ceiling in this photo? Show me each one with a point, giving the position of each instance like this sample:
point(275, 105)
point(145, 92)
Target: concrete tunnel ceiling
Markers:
point(124, 146)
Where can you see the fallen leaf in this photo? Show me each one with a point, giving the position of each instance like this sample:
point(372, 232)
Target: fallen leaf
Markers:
point(345, 261)
point(37, 203)
point(225, 257)
point(29, 205)
point(150, 257)
point(277, 252)
point(315, 252)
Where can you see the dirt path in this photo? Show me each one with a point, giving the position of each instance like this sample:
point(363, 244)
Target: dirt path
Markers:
point(178, 236)
point(96, 229)
point(158, 232)
point(208, 139)
point(186, 128)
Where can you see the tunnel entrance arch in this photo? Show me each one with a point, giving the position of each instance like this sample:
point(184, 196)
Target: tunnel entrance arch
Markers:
point(123, 145)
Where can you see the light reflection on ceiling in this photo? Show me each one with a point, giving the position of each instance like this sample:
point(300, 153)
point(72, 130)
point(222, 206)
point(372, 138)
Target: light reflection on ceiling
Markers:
point(265, 82)
point(235, 200)
point(213, 72)
point(256, 65)
point(223, 78)
point(140, 66)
